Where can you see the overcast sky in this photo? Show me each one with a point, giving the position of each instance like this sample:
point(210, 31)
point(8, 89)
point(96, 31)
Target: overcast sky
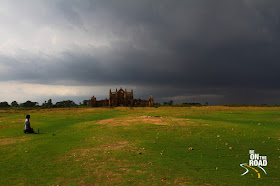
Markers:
point(219, 51)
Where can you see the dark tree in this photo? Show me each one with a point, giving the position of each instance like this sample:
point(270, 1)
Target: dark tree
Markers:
point(86, 102)
point(29, 104)
point(67, 103)
point(44, 105)
point(49, 103)
point(170, 102)
point(14, 104)
point(4, 104)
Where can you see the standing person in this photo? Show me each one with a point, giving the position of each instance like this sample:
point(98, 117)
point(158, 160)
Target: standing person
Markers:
point(28, 128)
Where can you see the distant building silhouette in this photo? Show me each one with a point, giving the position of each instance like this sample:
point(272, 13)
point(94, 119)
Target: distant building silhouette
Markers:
point(121, 98)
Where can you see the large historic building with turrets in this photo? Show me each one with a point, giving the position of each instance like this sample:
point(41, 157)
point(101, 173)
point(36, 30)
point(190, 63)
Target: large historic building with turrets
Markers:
point(121, 98)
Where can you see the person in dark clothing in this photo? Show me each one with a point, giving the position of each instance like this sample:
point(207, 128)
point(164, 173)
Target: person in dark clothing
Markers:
point(28, 128)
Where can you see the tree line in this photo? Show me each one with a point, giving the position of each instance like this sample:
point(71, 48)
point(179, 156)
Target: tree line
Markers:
point(70, 103)
point(46, 104)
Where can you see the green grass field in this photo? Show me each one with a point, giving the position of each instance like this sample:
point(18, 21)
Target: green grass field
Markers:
point(149, 146)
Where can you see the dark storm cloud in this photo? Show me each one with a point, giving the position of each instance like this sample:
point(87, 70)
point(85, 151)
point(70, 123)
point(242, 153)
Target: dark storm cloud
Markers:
point(226, 49)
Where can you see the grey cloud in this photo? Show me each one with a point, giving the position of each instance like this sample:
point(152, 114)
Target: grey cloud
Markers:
point(182, 48)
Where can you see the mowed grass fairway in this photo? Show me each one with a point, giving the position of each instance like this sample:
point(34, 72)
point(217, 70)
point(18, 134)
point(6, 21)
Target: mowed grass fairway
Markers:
point(148, 146)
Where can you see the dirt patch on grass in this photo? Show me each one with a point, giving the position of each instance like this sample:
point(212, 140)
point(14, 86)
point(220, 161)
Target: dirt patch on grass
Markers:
point(150, 120)
point(14, 123)
point(8, 126)
point(158, 120)
point(183, 122)
point(100, 161)
point(118, 145)
point(180, 121)
point(82, 153)
point(143, 119)
point(125, 169)
point(6, 141)
point(107, 121)
point(18, 121)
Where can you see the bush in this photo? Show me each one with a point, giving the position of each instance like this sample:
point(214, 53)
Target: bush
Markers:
point(67, 103)
point(29, 104)
point(4, 104)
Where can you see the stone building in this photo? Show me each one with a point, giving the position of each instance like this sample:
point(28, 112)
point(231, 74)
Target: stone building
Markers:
point(121, 98)
point(100, 103)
